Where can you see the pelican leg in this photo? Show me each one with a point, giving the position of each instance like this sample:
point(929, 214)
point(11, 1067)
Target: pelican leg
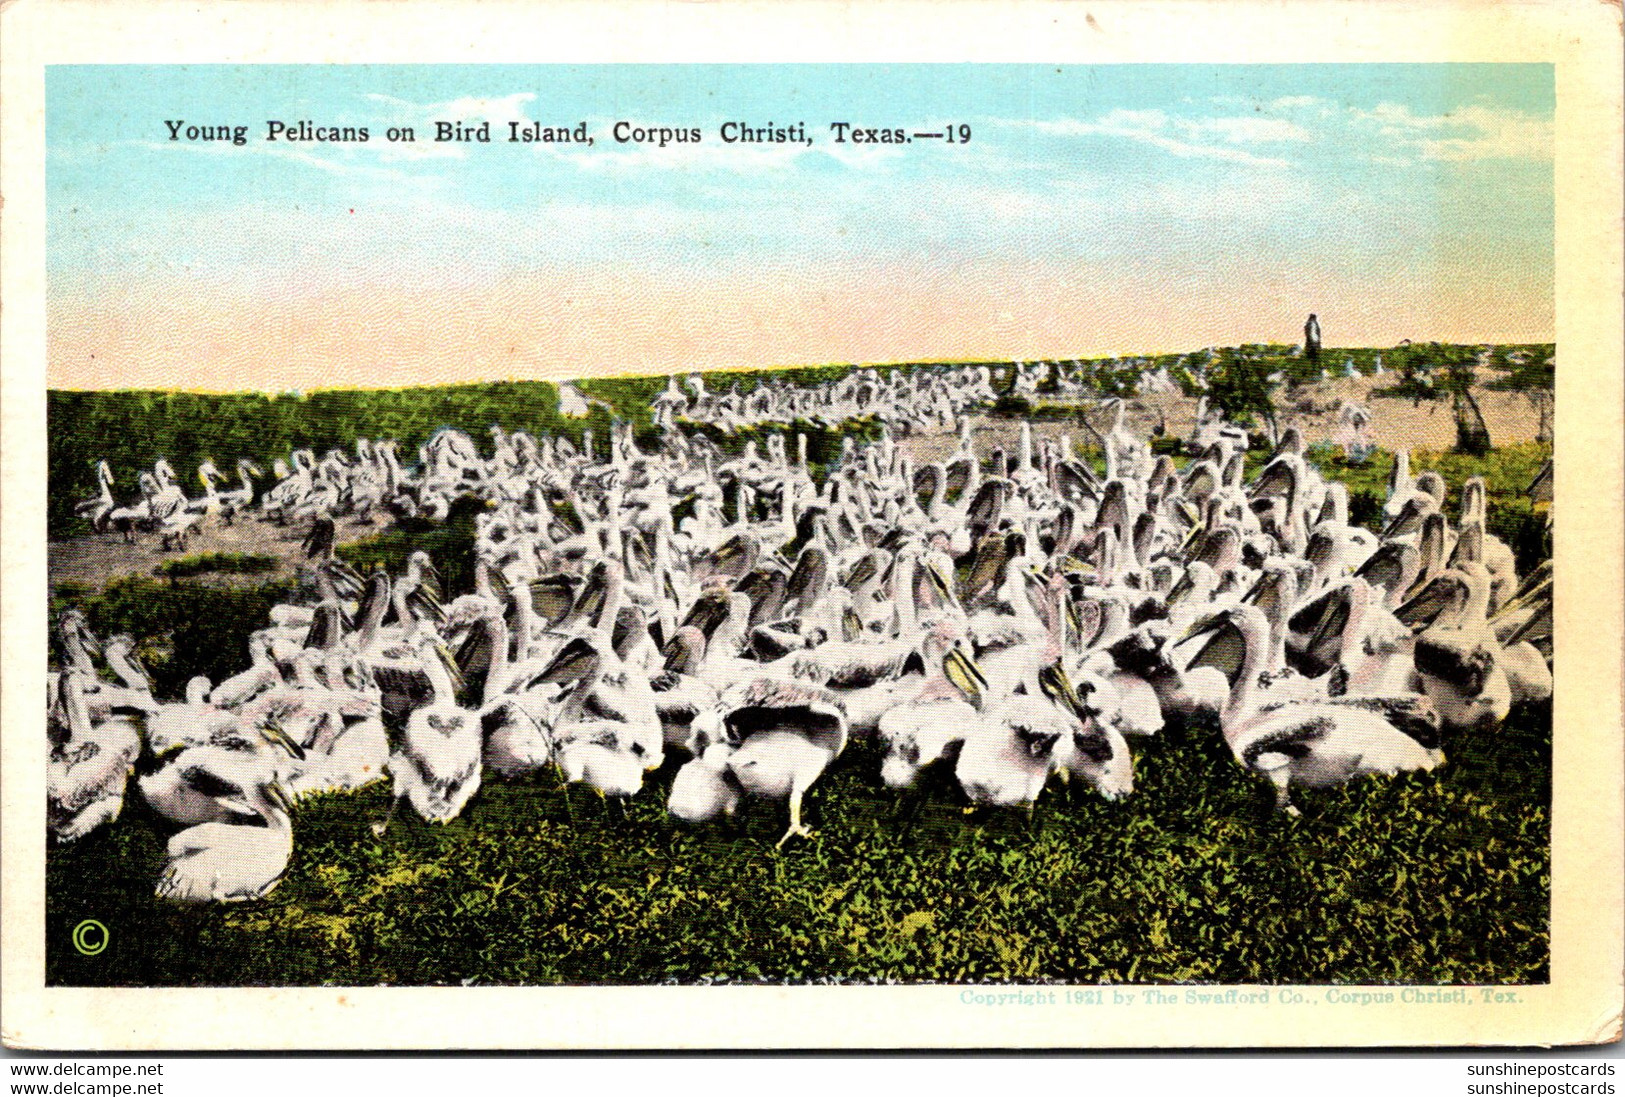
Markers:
point(378, 829)
point(796, 827)
point(1282, 779)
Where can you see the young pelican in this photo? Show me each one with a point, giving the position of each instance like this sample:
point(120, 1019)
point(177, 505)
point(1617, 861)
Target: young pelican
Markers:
point(943, 713)
point(782, 734)
point(436, 763)
point(88, 766)
point(1312, 743)
point(232, 862)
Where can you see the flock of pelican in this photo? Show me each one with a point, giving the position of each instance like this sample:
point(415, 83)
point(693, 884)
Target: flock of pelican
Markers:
point(1006, 620)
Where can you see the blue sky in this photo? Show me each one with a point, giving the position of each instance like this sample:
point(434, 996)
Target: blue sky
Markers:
point(1220, 194)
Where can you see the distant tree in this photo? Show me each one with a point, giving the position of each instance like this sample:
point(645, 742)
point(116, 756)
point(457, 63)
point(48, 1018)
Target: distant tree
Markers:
point(1434, 371)
point(1239, 385)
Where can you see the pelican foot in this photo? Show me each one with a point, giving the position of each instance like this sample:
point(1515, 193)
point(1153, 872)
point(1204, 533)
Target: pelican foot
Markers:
point(797, 831)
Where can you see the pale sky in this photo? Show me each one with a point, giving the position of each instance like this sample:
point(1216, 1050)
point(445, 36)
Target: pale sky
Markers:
point(1095, 210)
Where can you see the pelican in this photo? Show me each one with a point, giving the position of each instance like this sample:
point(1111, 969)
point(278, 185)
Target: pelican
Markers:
point(88, 765)
point(231, 862)
point(1311, 743)
point(436, 763)
point(206, 783)
point(1458, 656)
point(943, 713)
point(782, 736)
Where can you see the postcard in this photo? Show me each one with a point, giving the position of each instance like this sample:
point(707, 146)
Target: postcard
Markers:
point(911, 525)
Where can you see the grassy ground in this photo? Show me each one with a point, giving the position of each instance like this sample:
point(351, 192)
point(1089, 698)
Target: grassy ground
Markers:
point(1428, 878)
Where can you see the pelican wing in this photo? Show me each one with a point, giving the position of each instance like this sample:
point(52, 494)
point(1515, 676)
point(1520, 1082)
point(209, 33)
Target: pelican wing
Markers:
point(402, 691)
point(767, 704)
point(510, 717)
point(1293, 741)
point(1410, 713)
point(1457, 658)
point(212, 784)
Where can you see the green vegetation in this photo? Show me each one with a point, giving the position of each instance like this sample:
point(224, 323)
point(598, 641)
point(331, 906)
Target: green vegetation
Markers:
point(1507, 471)
point(226, 563)
point(182, 628)
point(1436, 878)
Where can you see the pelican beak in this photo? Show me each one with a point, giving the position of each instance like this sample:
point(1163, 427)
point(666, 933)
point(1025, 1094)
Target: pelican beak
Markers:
point(1331, 627)
point(851, 625)
point(1529, 624)
point(273, 733)
point(169, 754)
point(1202, 627)
point(1195, 531)
point(1528, 596)
point(1057, 686)
point(1424, 607)
point(944, 587)
point(443, 653)
point(433, 582)
point(1401, 523)
point(431, 602)
point(278, 795)
point(965, 676)
point(1073, 619)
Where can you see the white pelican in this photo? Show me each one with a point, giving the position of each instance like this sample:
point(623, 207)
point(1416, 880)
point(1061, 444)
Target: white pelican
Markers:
point(782, 734)
point(232, 862)
point(436, 763)
point(206, 783)
point(88, 766)
point(941, 715)
point(1312, 743)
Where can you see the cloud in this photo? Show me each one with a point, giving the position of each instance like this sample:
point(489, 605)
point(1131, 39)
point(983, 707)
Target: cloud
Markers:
point(1471, 133)
point(1248, 131)
point(1199, 138)
point(344, 163)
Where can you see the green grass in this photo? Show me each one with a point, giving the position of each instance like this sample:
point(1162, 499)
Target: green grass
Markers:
point(1425, 878)
point(222, 563)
